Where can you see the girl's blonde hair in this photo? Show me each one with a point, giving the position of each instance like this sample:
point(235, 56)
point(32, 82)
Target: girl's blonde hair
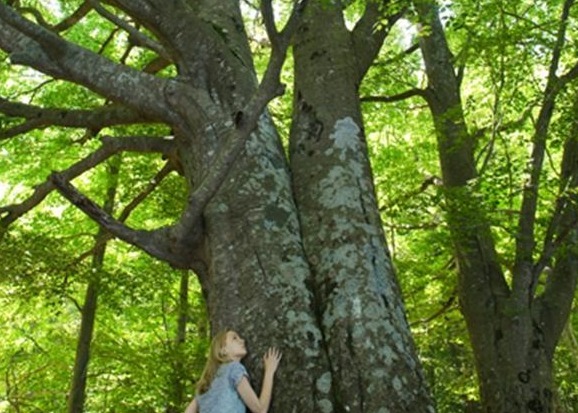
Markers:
point(214, 361)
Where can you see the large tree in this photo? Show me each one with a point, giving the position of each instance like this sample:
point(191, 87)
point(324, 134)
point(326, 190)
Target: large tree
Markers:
point(288, 253)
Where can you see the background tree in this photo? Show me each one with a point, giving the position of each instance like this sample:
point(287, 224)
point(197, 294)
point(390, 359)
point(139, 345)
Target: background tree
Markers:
point(513, 328)
point(514, 322)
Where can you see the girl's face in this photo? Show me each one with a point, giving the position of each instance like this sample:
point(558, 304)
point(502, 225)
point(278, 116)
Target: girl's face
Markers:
point(234, 347)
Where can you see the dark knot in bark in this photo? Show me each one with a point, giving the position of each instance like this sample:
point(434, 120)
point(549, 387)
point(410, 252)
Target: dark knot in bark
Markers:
point(524, 376)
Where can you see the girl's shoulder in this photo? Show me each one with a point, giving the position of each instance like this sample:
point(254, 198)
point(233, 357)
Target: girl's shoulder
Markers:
point(234, 370)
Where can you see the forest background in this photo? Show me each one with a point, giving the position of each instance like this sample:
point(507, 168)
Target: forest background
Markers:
point(152, 328)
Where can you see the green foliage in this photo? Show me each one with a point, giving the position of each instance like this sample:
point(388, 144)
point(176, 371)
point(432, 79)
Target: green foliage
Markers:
point(134, 351)
point(504, 48)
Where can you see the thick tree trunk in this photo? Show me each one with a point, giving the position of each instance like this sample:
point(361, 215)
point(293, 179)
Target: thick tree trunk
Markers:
point(372, 357)
point(258, 277)
point(252, 270)
point(518, 373)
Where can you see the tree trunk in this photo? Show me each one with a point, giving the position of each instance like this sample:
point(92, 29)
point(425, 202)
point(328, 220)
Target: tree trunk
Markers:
point(259, 282)
point(521, 378)
point(177, 383)
point(258, 277)
point(347, 348)
point(253, 271)
point(77, 393)
point(513, 333)
point(359, 307)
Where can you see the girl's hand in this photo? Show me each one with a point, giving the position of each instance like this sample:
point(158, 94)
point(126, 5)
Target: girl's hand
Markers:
point(271, 360)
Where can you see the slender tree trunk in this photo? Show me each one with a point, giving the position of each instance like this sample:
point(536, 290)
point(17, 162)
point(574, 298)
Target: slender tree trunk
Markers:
point(177, 382)
point(373, 360)
point(77, 393)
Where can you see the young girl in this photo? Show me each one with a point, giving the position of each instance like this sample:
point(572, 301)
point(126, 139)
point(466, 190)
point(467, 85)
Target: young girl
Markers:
point(224, 385)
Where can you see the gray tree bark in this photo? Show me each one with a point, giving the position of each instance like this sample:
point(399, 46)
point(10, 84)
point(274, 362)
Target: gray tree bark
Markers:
point(359, 306)
point(335, 311)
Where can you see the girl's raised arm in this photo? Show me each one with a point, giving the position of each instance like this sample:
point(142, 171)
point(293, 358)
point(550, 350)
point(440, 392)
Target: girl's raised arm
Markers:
point(260, 404)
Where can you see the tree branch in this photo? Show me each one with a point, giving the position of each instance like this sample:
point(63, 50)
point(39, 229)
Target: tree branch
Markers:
point(131, 206)
point(156, 243)
point(269, 20)
point(38, 117)
point(291, 26)
point(141, 10)
point(487, 150)
point(447, 306)
point(395, 98)
point(371, 30)
point(74, 18)
point(32, 45)
point(524, 280)
point(110, 146)
point(136, 36)
point(564, 219)
point(66, 24)
point(570, 75)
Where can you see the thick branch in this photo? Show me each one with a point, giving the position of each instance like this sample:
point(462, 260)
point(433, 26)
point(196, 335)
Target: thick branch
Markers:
point(34, 46)
point(156, 243)
point(371, 30)
point(141, 10)
point(38, 117)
